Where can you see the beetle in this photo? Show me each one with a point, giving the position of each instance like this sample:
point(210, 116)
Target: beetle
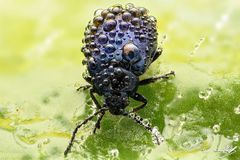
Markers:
point(119, 46)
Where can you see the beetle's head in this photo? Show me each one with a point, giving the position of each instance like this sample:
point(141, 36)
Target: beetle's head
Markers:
point(116, 102)
point(115, 84)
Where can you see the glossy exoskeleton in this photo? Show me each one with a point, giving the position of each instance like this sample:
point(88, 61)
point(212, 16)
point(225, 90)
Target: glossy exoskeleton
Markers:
point(119, 45)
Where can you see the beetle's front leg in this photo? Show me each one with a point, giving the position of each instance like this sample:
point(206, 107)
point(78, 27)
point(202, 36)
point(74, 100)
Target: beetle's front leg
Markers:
point(94, 98)
point(154, 79)
point(141, 98)
point(85, 87)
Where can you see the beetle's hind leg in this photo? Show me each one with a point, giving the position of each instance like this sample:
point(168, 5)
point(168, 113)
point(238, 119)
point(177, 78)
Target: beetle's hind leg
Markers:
point(79, 126)
point(141, 98)
point(157, 138)
point(154, 79)
point(97, 125)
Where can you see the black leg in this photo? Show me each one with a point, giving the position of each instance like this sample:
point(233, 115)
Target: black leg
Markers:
point(157, 138)
point(84, 87)
point(153, 79)
point(77, 127)
point(97, 125)
point(141, 98)
point(157, 54)
point(94, 98)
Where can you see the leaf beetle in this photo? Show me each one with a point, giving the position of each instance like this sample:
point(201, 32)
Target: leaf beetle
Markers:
point(119, 46)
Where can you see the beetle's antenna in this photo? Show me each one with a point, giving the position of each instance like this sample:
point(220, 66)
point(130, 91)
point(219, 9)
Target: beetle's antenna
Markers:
point(156, 136)
point(68, 149)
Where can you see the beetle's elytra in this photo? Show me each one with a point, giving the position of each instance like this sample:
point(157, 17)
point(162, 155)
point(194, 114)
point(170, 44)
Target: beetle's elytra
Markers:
point(119, 45)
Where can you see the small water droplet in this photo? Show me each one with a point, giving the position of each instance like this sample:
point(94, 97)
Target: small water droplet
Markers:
point(206, 93)
point(216, 128)
point(114, 152)
point(237, 110)
point(156, 136)
point(236, 137)
point(46, 141)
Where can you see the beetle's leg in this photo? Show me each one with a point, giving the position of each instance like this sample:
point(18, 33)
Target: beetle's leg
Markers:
point(157, 54)
point(153, 79)
point(77, 127)
point(97, 125)
point(158, 139)
point(94, 98)
point(141, 98)
point(83, 87)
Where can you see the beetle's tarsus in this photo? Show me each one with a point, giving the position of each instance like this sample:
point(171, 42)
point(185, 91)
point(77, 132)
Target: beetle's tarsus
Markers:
point(83, 88)
point(154, 79)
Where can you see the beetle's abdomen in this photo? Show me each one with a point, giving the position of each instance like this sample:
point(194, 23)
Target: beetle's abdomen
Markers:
point(125, 37)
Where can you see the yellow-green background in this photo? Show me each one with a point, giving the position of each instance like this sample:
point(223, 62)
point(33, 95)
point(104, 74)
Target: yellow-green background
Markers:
point(40, 67)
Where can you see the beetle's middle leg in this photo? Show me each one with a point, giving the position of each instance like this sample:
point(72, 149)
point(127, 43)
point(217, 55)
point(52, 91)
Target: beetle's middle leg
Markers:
point(141, 98)
point(154, 79)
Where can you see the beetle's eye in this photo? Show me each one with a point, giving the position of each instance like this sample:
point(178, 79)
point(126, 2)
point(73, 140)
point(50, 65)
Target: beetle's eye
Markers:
point(129, 50)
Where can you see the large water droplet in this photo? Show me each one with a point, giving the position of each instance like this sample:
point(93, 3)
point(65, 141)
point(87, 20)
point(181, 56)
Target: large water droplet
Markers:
point(102, 39)
point(109, 25)
point(109, 48)
point(126, 16)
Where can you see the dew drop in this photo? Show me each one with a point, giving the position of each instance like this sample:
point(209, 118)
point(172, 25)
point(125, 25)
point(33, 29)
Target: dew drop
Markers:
point(236, 137)
point(216, 128)
point(110, 16)
point(109, 25)
point(126, 16)
point(205, 94)
point(98, 20)
point(102, 39)
point(135, 21)
point(124, 26)
point(98, 12)
point(156, 136)
point(113, 152)
point(109, 48)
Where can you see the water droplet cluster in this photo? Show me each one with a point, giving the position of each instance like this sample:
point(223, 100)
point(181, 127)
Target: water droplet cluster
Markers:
point(156, 136)
point(112, 29)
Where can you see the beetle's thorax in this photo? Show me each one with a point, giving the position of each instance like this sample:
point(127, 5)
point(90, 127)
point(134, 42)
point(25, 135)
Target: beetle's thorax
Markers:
point(115, 80)
point(116, 85)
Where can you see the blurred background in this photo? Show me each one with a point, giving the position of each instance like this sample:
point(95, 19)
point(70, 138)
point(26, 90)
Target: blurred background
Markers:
point(198, 111)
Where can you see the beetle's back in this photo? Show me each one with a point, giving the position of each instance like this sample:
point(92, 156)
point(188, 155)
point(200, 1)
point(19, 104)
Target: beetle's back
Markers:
point(125, 37)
